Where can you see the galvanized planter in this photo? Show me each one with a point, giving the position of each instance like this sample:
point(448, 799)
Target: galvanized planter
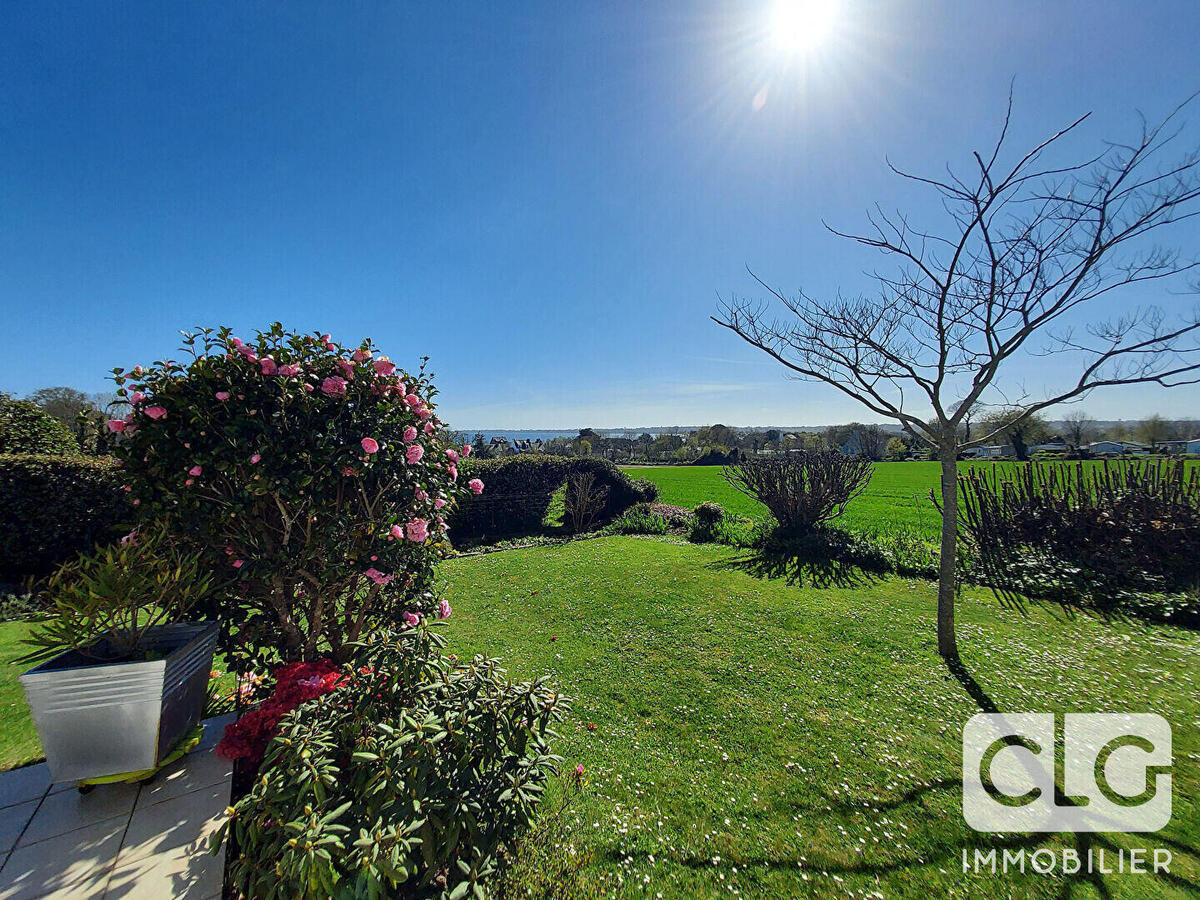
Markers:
point(97, 719)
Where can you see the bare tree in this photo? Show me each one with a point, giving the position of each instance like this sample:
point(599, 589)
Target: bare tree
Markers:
point(1154, 430)
point(1028, 246)
point(1077, 428)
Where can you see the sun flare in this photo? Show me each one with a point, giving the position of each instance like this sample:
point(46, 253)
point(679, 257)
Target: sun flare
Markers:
point(800, 26)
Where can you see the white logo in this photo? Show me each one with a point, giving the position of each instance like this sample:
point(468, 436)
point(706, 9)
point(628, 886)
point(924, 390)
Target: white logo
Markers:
point(1115, 773)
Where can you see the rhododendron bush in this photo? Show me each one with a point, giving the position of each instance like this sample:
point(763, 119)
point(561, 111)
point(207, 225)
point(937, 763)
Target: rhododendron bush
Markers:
point(316, 478)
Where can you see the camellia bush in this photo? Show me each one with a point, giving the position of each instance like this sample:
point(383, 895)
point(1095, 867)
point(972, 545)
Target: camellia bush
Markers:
point(316, 479)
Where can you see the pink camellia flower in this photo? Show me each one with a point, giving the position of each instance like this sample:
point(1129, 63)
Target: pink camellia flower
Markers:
point(347, 368)
point(136, 397)
point(255, 459)
point(137, 502)
point(410, 434)
point(138, 370)
point(397, 532)
point(378, 577)
point(414, 453)
point(222, 396)
point(195, 471)
point(308, 388)
point(439, 503)
point(349, 471)
point(444, 609)
point(416, 530)
point(421, 495)
point(237, 342)
point(453, 470)
point(116, 426)
point(155, 412)
point(126, 488)
point(268, 365)
point(466, 449)
point(237, 563)
point(410, 619)
point(362, 354)
point(451, 454)
point(289, 370)
point(476, 486)
point(424, 413)
point(188, 482)
point(229, 551)
point(370, 445)
point(328, 342)
point(333, 386)
point(384, 366)
point(412, 400)
point(429, 428)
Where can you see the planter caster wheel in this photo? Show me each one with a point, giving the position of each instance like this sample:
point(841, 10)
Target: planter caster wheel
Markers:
point(86, 788)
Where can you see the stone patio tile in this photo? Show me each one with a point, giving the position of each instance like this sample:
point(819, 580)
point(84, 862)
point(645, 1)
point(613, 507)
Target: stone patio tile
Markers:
point(24, 784)
point(199, 769)
point(182, 822)
point(69, 810)
point(214, 730)
point(76, 864)
point(184, 872)
point(13, 820)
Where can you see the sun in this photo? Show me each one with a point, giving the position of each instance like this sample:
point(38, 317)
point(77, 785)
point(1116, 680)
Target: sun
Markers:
point(800, 26)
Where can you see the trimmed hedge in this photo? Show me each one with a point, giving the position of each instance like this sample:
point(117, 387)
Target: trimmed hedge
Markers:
point(27, 428)
point(52, 507)
point(519, 489)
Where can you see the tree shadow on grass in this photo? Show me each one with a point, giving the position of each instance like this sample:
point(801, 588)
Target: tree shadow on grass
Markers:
point(821, 559)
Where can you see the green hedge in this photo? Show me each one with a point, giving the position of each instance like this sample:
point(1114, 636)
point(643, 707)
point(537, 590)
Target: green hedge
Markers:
point(52, 507)
point(518, 490)
point(27, 428)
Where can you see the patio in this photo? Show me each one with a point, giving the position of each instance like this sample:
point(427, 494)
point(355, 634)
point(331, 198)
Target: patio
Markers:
point(118, 840)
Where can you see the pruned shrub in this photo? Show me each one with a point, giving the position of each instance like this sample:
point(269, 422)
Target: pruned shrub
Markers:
point(410, 777)
point(803, 490)
point(520, 489)
point(1104, 536)
point(53, 507)
point(27, 428)
point(582, 500)
point(708, 513)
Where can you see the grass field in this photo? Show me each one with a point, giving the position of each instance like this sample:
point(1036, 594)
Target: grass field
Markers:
point(896, 498)
point(756, 739)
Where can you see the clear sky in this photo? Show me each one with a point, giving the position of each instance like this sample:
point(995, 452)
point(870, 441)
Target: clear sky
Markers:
point(545, 198)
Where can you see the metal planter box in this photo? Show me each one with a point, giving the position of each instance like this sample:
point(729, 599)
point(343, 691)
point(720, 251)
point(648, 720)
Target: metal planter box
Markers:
point(97, 719)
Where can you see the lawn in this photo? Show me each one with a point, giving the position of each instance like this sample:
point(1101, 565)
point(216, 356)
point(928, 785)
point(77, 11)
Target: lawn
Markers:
point(18, 740)
point(758, 739)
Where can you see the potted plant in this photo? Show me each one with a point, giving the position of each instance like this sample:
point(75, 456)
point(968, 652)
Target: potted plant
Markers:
point(123, 678)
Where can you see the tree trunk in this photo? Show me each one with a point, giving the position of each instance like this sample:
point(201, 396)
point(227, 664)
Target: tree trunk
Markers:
point(947, 644)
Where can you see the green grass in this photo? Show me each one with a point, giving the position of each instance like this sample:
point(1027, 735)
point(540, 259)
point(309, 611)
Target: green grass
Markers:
point(18, 739)
point(757, 739)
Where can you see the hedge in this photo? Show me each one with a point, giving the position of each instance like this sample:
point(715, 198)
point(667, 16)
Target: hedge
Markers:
point(518, 490)
point(27, 428)
point(52, 507)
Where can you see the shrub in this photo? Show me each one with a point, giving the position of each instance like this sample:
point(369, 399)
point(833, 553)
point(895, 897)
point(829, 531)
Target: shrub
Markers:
point(53, 507)
point(653, 518)
point(520, 489)
point(1104, 536)
point(803, 490)
point(708, 513)
point(583, 500)
point(27, 428)
point(410, 778)
point(315, 478)
point(106, 601)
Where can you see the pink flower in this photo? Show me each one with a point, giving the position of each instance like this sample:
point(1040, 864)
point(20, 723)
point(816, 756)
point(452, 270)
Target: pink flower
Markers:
point(452, 454)
point(410, 619)
point(308, 388)
point(412, 400)
point(378, 577)
point(126, 488)
point(424, 413)
point(347, 368)
point(476, 486)
point(289, 370)
point(137, 502)
point(416, 530)
point(429, 428)
point(130, 539)
point(453, 470)
point(195, 471)
point(439, 503)
point(410, 434)
point(116, 426)
point(222, 396)
point(268, 365)
point(370, 445)
point(329, 344)
point(237, 563)
point(136, 397)
point(188, 482)
point(466, 449)
point(444, 609)
point(238, 343)
point(579, 771)
point(361, 355)
point(333, 386)
point(155, 412)
point(255, 459)
point(349, 471)
point(384, 366)
point(397, 532)
point(414, 453)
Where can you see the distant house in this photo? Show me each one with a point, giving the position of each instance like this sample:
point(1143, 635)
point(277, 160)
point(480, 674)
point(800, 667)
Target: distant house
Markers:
point(1049, 447)
point(1116, 448)
point(1193, 446)
point(992, 451)
point(1172, 446)
point(525, 445)
point(499, 446)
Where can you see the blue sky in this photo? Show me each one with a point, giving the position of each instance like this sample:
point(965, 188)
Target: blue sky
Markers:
point(545, 198)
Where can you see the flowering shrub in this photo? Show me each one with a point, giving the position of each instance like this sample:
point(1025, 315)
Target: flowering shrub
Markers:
point(317, 478)
point(408, 780)
point(247, 738)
